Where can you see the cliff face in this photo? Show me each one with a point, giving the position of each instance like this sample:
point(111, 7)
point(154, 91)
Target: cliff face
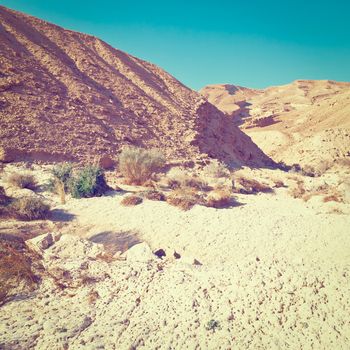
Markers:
point(67, 95)
point(307, 121)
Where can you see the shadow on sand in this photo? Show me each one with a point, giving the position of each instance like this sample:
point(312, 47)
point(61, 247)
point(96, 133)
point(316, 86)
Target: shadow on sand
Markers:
point(60, 215)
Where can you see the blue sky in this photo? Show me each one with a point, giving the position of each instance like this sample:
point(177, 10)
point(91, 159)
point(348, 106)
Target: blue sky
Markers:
point(250, 43)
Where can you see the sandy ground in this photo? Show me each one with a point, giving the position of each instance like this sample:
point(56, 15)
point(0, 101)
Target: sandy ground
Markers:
point(274, 274)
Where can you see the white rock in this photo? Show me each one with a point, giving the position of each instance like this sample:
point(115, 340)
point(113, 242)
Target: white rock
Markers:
point(140, 252)
point(43, 242)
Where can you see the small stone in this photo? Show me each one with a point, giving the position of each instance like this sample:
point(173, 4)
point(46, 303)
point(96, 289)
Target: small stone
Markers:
point(160, 253)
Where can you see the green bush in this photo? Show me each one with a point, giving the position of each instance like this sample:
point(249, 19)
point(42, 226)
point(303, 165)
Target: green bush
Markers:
point(88, 182)
point(137, 164)
point(29, 208)
point(64, 173)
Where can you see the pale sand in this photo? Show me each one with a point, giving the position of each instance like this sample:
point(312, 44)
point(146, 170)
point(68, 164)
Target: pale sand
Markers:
point(275, 274)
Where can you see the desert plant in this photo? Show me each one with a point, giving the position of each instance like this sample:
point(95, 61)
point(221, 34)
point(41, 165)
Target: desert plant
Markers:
point(298, 191)
point(219, 198)
point(279, 184)
point(177, 178)
point(137, 165)
point(29, 208)
point(132, 200)
point(88, 182)
point(216, 170)
point(251, 186)
point(22, 180)
point(16, 268)
point(153, 195)
point(63, 172)
point(184, 198)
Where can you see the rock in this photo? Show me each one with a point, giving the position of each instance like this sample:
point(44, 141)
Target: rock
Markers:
point(197, 262)
point(139, 252)
point(106, 163)
point(43, 242)
point(160, 253)
point(177, 255)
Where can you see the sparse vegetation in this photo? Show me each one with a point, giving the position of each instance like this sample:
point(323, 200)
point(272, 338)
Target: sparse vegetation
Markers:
point(279, 184)
point(153, 195)
point(177, 178)
point(298, 191)
point(220, 198)
point(16, 270)
point(250, 186)
point(28, 208)
point(216, 169)
point(185, 198)
point(22, 180)
point(138, 165)
point(88, 182)
point(63, 172)
point(131, 200)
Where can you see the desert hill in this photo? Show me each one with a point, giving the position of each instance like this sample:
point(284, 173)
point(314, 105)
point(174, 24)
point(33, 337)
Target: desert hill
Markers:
point(305, 121)
point(67, 95)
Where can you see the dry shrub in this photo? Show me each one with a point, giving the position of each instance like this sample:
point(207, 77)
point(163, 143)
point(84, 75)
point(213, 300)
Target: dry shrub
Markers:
point(93, 297)
point(132, 200)
point(330, 193)
point(335, 197)
point(216, 170)
point(177, 178)
point(16, 271)
point(153, 195)
point(185, 198)
point(138, 165)
point(250, 186)
point(220, 198)
point(22, 180)
point(279, 184)
point(29, 208)
point(298, 191)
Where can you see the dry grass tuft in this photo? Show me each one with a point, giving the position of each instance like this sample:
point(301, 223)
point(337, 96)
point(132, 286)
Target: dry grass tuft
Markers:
point(28, 208)
point(138, 165)
point(22, 180)
point(250, 186)
point(335, 197)
point(185, 198)
point(93, 297)
point(279, 184)
point(216, 170)
point(132, 200)
point(177, 178)
point(298, 191)
point(220, 198)
point(153, 195)
point(16, 271)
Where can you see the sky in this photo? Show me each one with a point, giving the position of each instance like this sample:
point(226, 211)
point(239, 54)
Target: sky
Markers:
point(250, 43)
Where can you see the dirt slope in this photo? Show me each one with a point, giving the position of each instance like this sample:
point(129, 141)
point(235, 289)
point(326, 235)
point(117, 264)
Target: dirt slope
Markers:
point(305, 121)
point(69, 95)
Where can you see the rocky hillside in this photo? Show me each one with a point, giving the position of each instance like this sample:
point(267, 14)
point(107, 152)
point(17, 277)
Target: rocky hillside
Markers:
point(305, 121)
point(67, 95)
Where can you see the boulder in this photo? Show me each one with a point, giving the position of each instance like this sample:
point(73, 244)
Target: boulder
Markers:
point(140, 252)
point(106, 163)
point(43, 242)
